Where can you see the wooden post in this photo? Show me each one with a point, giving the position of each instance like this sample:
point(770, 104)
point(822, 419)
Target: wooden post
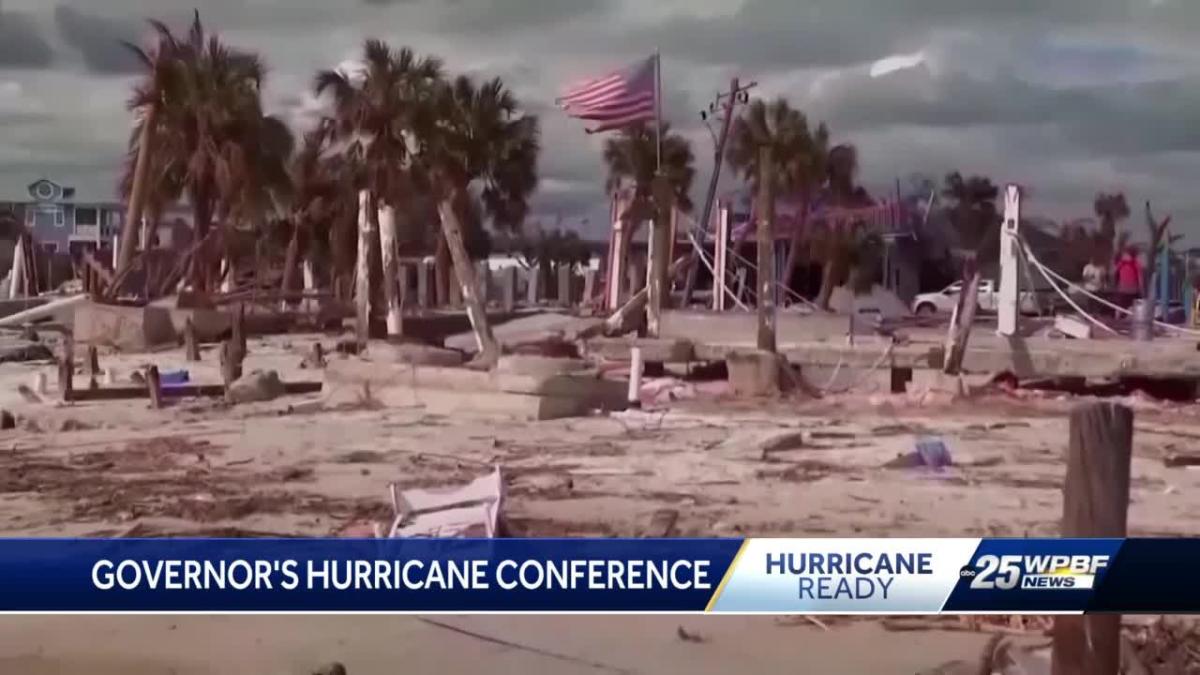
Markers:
point(154, 387)
point(564, 284)
point(231, 362)
point(508, 288)
point(239, 328)
point(1095, 504)
point(766, 249)
point(16, 278)
point(66, 370)
point(191, 347)
point(362, 273)
point(93, 364)
point(423, 300)
point(533, 278)
point(387, 247)
point(589, 286)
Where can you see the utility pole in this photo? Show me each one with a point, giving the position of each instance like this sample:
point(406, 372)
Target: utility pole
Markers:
point(726, 103)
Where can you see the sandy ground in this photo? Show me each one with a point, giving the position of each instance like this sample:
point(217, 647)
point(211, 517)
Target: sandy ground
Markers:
point(298, 465)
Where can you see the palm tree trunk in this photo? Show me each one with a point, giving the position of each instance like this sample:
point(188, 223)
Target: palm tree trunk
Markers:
point(201, 260)
point(660, 244)
point(362, 277)
point(766, 250)
point(309, 284)
point(489, 351)
point(968, 304)
point(387, 246)
point(289, 264)
point(137, 196)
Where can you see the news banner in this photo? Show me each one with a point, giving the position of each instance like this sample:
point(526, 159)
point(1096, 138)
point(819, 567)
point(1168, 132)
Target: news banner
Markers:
point(775, 576)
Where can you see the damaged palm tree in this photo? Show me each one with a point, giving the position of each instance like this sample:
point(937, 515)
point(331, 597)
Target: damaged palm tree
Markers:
point(477, 138)
point(203, 134)
point(973, 212)
point(379, 112)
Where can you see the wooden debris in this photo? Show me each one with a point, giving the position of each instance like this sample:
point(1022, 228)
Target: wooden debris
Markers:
point(1181, 459)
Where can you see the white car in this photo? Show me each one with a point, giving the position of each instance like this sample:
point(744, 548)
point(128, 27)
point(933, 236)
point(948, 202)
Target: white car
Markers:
point(927, 304)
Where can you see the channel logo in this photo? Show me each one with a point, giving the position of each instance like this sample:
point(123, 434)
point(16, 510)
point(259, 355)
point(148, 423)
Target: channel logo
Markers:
point(1034, 572)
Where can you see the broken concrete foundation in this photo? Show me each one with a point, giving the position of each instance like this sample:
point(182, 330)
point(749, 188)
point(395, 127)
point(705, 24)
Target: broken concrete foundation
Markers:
point(458, 390)
point(124, 328)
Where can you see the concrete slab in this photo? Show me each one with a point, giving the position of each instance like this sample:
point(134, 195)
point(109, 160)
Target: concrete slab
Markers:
point(459, 389)
point(532, 328)
point(653, 349)
point(128, 329)
point(755, 372)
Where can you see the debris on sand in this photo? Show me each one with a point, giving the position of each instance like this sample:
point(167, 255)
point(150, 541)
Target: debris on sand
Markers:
point(472, 510)
point(1167, 645)
point(257, 385)
point(334, 668)
point(688, 636)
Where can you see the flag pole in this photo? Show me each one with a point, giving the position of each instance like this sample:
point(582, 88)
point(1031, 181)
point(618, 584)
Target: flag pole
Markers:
point(658, 109)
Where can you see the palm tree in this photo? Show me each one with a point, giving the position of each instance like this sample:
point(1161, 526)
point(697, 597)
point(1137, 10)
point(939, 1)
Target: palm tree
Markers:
point(800, 155)
point(632, 161)
point(376, 113)
point(475, 140)
point(203, 131)
point(838, 244)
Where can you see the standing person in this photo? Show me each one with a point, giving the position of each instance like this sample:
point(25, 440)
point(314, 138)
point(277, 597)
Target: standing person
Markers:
point(1128, 273)
point(1095, 282)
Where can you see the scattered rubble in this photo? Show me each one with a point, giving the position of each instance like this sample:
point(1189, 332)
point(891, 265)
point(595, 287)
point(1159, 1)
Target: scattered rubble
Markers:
point(256, 385)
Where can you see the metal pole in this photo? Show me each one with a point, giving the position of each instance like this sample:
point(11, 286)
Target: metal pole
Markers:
point(710, 196)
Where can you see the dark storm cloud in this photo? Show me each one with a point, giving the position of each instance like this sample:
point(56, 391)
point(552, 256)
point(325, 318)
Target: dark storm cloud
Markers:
point(21, 42)
point(510, 15)
point(99, 39)
point(1115, 119)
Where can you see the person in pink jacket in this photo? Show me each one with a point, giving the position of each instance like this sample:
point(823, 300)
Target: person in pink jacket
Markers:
point(1128, 275)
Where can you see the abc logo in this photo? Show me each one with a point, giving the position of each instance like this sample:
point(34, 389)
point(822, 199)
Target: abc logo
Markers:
point(966, 572)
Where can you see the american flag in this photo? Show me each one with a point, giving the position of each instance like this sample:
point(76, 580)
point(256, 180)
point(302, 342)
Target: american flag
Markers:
point(616, 100)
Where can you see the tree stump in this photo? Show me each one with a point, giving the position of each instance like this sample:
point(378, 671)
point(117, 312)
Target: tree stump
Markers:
point(1095, 504)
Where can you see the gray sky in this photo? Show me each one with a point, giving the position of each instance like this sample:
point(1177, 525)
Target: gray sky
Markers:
point(1067, 97)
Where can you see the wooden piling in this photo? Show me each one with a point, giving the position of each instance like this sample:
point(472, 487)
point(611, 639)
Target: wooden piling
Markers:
point(191, 346)
point(423, 270)
point(766, 250)
point(231, 362)
point(1095, 504)
point(508, 288)
point(154, 387)
point(66, 369)
point(533, 277)
point(564, 285)
point(93, 367)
